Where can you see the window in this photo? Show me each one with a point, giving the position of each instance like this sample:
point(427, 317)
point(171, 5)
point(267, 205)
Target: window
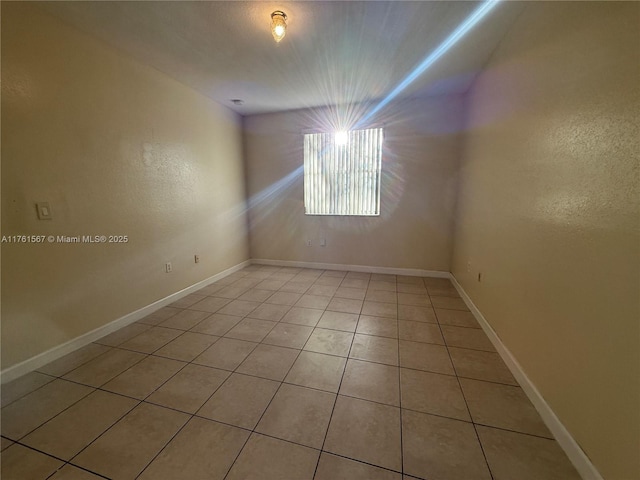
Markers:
point(342, 172)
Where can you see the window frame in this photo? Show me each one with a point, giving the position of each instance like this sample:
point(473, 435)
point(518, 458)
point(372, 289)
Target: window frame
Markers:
point(351, 175)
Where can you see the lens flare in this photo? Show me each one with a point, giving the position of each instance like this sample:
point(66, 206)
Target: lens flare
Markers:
point(341, 137)
point(430, 59)
point(276, 207)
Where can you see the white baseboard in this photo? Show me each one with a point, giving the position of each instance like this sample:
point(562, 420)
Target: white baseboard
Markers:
point(26, 366)
point(576, 455)
point(413, 272)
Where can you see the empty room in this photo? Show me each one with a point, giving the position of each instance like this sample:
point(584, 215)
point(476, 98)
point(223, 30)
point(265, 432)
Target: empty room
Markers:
point(320, 240)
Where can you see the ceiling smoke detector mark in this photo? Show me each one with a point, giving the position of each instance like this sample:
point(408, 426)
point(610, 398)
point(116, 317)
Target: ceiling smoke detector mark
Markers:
point(237, 101)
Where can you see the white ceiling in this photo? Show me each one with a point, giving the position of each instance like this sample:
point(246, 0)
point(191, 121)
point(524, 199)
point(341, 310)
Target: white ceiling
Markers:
point(334, 52)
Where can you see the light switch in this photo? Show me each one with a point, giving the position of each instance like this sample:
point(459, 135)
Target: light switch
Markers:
point(44, 211)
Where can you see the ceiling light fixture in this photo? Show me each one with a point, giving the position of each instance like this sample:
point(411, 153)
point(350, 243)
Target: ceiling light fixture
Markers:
point(278, 25)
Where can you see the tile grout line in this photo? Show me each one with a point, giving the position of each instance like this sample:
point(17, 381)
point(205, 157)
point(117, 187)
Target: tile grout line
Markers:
point(191, 415)
point(55, 377)
point(439, 324)
point(84, 447)
point(194, 414)
point(101, 434)
point(400, 386)
point(335, 401)
point(261, 342)
point(57, 414)
point(324, 311)
point(484, 455)
point(74, 466)
point(129, 411)
point(146, 399)
point(253, 430)
point(266, 408)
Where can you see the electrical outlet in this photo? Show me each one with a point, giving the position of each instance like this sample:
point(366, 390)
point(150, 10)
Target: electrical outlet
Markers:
point(469, 266)
point(168, 267)
point(309, 243)
point(323, 242)
point(196, 258)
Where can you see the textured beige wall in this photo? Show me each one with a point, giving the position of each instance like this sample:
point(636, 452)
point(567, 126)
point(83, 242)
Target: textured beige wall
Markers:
point(421, 148)
point(548, 212)
point(75, 116)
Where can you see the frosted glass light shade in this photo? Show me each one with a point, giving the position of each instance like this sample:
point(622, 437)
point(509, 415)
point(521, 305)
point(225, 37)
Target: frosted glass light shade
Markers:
point(278, 25)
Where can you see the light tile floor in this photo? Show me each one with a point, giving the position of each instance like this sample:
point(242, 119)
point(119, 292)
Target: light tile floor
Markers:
point(283, 373)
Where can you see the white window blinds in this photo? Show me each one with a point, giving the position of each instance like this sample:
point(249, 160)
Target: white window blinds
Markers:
point(342, 173)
